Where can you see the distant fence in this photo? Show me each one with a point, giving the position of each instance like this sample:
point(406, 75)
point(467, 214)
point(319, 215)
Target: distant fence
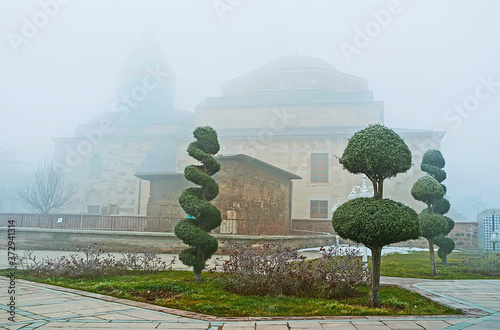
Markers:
point(91, 222)
point(137, 223)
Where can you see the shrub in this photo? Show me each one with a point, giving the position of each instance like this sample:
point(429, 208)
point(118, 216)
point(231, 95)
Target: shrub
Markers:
point(280, 270)
point(486, 263)
point(94, 264)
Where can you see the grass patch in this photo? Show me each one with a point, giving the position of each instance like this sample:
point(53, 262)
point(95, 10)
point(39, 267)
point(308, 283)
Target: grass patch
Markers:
point(176, 289)
point(417, 265)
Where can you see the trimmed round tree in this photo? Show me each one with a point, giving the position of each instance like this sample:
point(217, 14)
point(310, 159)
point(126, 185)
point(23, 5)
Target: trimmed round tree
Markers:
point(379, 153)
point(195, 201)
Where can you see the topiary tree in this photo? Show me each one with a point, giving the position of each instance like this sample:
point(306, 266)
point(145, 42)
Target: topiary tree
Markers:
point(429, 191)
point(379, 153)
point(196, 202)
point(433, 163)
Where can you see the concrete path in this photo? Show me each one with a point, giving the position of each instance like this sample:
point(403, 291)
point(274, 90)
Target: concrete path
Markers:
point(41, 306)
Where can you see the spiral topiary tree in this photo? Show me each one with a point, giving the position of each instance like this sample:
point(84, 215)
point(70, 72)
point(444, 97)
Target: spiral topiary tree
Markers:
point(433, 163)
point(196, 202)
point(430, 190)
point(379, 153)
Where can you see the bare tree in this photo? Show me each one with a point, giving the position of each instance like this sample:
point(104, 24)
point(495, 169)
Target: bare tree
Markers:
point(46, 189)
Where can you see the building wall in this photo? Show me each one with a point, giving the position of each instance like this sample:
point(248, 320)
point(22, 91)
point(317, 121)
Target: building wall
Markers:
point(117, 185)
point(342, 114)
point(247, 192)
point(465, 234)
point(294, 155)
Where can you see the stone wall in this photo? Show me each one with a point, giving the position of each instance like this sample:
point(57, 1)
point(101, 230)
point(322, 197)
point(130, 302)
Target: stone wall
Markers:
point(67, 240)
point(465, 234)
point(248, 190)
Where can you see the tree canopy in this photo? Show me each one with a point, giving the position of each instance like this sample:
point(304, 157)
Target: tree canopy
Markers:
point(378, 152)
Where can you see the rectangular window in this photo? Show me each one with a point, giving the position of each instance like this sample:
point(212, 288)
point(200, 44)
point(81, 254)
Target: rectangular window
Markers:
point(319, 168)
point(319, 209)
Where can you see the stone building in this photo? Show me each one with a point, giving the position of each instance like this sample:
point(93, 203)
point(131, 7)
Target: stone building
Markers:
point(254, 197)
point(105, 153)
point(295, 113)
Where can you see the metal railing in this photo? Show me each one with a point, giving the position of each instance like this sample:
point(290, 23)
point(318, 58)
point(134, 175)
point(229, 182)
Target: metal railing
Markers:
point(90, 222)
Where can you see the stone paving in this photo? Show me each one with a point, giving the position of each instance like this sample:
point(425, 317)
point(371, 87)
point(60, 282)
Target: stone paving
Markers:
point(41, 306)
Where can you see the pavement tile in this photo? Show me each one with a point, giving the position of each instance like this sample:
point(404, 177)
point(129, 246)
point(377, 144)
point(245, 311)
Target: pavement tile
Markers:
point(369, 325)
point(267, 326)
point(305, 325)
point(149, 315)
point(432, 325)
point(403, 325)
point(183, 326)
point(337, 326)
point(238, 326)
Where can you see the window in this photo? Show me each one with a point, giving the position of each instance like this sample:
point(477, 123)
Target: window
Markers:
point(319, 168)
point(319, 209)
point(95, 167)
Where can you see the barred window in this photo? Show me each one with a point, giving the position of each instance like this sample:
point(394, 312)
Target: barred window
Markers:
point(319, 168)
point(95, 169)
point(319, 209)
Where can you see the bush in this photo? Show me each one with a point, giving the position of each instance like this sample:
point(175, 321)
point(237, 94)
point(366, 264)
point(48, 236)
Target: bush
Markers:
point(486, 263)
point(279, 270)
point(94, 264)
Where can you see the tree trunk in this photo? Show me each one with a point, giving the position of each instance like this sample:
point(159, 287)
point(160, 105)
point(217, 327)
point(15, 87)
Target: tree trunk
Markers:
point(445, 260)
point(197, 276)
point(380, 189)
point(374, 287)
point(434, 270)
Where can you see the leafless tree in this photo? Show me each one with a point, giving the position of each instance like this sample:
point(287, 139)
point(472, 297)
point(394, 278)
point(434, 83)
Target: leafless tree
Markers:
point(46, 189)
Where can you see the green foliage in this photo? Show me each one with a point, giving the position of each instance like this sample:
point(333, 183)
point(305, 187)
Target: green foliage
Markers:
point(375, 222)
point(451, 225)
point(196, 202)
point(446, 245)
point(434, 171)
point(442, 206)
point(433, 157)
point(376, 151)
point(432, 163)
point(432, 224)
point(416, 265)
point(427, 190)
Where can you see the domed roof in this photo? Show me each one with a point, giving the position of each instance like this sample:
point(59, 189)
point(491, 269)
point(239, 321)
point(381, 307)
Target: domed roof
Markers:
point(297, 63)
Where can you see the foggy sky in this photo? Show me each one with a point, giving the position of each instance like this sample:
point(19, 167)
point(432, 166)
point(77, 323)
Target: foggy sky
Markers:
point(435, 65)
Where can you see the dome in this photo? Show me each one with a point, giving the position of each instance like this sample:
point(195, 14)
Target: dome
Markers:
point(295, 73)
point(291, 63)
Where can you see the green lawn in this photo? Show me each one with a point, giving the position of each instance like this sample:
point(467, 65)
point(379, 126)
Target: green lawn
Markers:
point(176, 289)
point(417, 265)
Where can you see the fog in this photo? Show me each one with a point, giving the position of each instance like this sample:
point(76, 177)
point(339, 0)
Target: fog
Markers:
point(435, 65)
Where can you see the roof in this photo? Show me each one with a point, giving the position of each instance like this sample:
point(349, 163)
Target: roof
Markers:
point(146, 52)
point(160, 162)
point(297, 63)
point(161, 159)
point(327, 131)
point(258, 163)
point(270, 98)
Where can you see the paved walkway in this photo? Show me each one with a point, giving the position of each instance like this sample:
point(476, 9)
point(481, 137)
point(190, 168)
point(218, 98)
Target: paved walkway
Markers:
point(41, 306)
